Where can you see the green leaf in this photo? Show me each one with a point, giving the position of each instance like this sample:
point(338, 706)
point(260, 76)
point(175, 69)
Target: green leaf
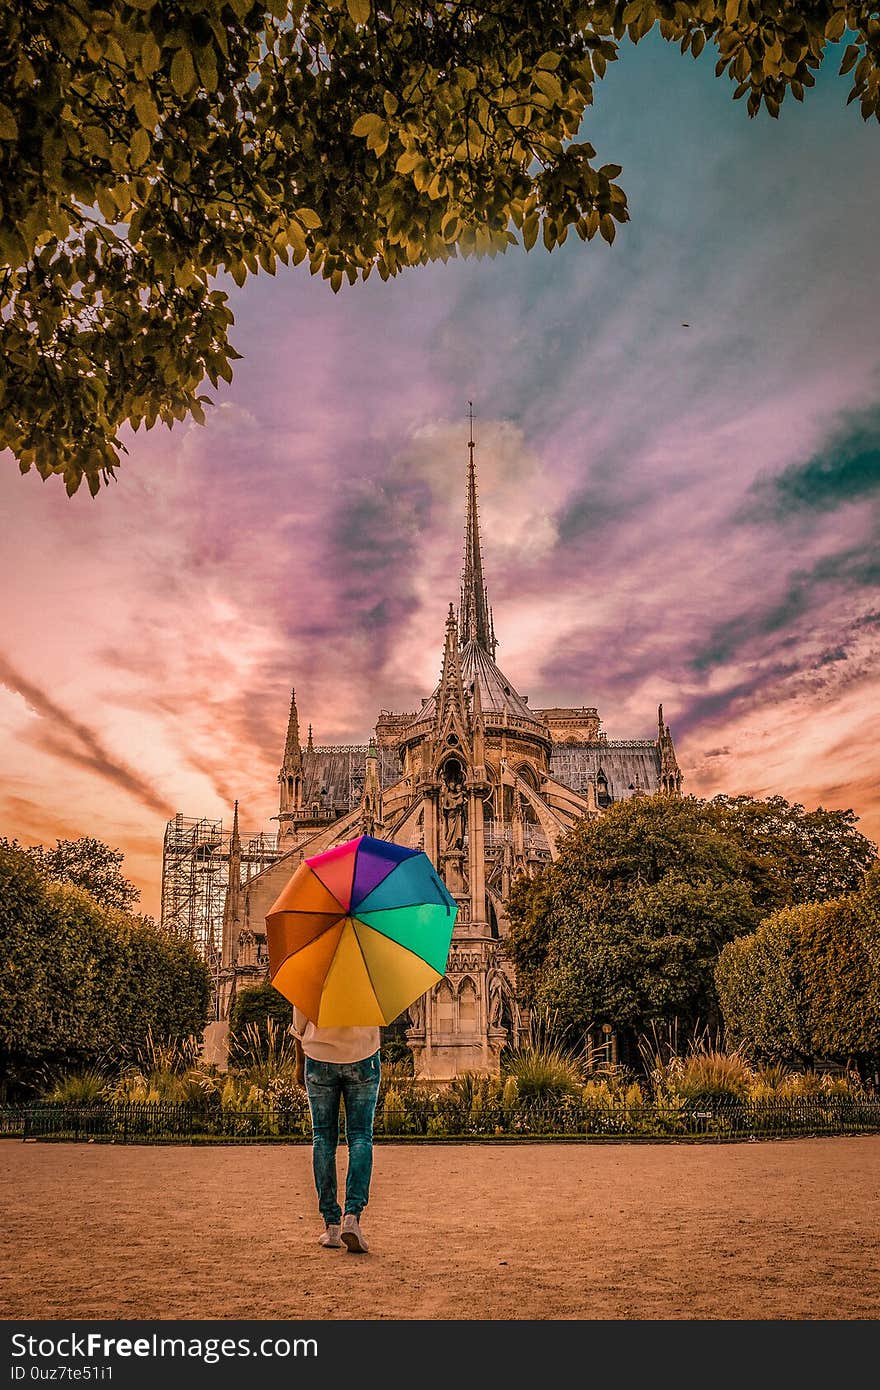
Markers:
point(183, 74)
point(109, 210)
point(150, 55)
point(8, 124)
point(140, 148)
point(549, 85)
point(408, 161)
point(207, 68)
point(146, 110)
point(367, 124)
point(359, 10)
point(835, 27)
point(297, 237)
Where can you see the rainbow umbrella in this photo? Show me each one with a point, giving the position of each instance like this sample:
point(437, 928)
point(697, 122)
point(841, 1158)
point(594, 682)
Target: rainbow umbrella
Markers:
point(359, 932)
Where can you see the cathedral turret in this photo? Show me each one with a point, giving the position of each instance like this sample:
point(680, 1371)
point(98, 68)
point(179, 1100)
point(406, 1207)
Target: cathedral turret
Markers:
point(474, 615)
point(290, 776)
point(670, 772)
point(371, 800)
point(452, 722)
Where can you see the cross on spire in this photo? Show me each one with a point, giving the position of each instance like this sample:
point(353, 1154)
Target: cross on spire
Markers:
point(474, 616)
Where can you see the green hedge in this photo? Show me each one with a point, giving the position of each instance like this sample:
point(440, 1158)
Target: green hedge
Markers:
point(80, 982)
point(806, 984)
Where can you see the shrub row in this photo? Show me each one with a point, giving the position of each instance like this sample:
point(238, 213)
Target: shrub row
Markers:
point(80, 981)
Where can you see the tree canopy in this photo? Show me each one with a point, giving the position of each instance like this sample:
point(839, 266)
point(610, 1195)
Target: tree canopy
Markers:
point(148, 146)
point(626, 926)
point(85, 863)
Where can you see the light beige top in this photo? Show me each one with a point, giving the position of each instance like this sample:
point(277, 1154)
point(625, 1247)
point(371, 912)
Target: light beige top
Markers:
point(334, 1044)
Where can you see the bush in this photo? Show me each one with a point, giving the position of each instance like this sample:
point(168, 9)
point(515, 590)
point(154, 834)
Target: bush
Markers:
point(257, 1006)
point(806, 984)
point(80, 982)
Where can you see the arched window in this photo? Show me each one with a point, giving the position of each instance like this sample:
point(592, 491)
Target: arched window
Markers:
point(467, 1007)
point(443, 1004)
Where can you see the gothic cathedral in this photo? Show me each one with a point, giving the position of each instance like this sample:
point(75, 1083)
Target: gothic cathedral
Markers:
point(479, 780)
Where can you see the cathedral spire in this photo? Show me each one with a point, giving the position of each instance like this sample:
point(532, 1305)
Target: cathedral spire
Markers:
point(292, 751)
point(670, 773)
point(290, 775)
point(452, 713)
point(473, 612)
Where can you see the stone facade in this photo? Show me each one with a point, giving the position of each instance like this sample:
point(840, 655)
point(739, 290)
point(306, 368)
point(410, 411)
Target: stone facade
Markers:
point(479, 780)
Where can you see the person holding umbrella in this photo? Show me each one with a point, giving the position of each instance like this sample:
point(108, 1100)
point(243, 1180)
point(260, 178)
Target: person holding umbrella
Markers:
point(336, 1065)
point(358, 933)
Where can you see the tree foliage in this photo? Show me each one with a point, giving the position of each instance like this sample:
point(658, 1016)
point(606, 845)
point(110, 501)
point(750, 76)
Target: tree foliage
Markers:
point(806, 984)
point(257, 1005)
point(86, 863)
point(147, 146)
point(798, 855)
point(626, 926)
point(80, 981)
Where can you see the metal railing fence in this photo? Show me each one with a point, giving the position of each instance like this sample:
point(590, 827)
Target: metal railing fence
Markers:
point(420, 1116)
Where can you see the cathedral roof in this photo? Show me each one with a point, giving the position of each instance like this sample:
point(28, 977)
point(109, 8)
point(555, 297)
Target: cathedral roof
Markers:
point(496, 692)
point(334, 776)
point(628, 765)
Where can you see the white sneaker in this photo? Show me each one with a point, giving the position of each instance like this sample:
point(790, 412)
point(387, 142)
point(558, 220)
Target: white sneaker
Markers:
point(330, 1239)
point(353, 1236)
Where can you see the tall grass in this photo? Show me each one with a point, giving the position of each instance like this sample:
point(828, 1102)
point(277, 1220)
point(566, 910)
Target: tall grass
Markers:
point(265, 1055)
point(81, 1087)
point(545, 1073)
point(175, 1055)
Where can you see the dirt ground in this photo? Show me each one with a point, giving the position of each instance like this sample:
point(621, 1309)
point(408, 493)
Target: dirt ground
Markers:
point(784, 1230)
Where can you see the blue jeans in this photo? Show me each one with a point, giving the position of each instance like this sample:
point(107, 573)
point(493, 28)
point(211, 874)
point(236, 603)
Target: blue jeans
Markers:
point(328, 1083)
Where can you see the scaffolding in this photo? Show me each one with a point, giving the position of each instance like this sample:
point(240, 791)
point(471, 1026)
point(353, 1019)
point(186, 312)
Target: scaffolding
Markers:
point(195, 874)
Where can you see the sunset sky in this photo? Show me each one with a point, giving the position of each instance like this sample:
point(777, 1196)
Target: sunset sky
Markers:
point(685, 514)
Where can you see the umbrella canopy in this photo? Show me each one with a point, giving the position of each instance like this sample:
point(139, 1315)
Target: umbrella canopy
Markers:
point(360, 932)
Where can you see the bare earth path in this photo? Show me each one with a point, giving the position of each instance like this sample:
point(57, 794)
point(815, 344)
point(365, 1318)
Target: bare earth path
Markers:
point(782, 1230)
